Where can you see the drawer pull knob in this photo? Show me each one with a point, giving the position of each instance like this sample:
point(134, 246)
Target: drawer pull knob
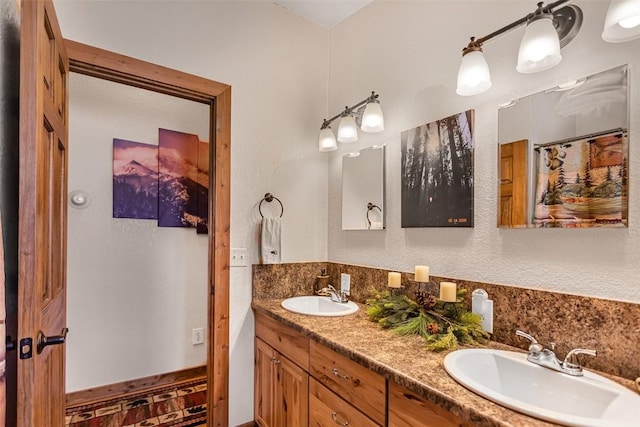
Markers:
point(337, 374)
point(334, 417)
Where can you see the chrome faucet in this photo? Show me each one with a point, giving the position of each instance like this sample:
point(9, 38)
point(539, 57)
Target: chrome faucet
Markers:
point(545, 357)
point(336, 296)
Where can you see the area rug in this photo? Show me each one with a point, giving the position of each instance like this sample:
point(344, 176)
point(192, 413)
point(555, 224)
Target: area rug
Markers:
point(169, 407)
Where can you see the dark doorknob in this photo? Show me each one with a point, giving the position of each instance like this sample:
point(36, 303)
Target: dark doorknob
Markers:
point(43, 340)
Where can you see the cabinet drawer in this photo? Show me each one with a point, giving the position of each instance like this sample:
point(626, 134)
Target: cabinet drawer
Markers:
point(354, 383)
point(288, 342)
point(326, 409)
point(407, 409)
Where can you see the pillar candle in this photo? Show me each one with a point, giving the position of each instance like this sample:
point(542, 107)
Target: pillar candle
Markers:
point(448, 291)
point(394, 279)
point(422, 273)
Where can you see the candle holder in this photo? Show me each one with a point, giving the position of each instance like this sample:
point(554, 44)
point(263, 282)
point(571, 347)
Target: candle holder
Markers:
point(430, 287)
point(395, 291)
point(452, 307)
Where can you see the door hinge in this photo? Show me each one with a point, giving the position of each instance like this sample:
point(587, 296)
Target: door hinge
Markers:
point(26, 348)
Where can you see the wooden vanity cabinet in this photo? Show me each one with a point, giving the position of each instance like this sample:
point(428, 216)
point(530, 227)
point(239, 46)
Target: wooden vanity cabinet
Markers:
point(281, 389)
point(327, 409)
point(407, 409)
point(300, 382)
point(355, 388)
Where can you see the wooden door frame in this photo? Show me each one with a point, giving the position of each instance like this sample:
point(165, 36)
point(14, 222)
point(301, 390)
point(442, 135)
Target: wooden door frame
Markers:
point(118, 68)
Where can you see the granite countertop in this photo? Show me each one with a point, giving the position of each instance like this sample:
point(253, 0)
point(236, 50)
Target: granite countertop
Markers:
point(404, 360)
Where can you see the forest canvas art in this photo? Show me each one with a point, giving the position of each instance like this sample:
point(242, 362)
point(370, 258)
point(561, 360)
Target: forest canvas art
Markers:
point(437, 173)
point(135, 180)
point(583, 182)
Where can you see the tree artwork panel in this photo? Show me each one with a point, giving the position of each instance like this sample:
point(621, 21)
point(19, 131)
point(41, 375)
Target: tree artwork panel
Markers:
point(135, 180)
point(437, 173)
point(180, 181)
point(582, 182)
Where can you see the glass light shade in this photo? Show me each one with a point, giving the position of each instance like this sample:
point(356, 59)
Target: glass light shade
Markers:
point(326, 141)
point(347, 129)
point(540, 46)
point(372, 119)
point(622, 22)
point(473, 75)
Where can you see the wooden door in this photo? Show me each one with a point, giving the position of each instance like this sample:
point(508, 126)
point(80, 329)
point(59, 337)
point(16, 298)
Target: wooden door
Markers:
point(42, 216)
point(513, 184)
point(264, 387)
point(292, 394)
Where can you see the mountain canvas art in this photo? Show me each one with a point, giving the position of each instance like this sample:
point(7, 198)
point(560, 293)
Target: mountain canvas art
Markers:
point(179, 180)
point(135, 180)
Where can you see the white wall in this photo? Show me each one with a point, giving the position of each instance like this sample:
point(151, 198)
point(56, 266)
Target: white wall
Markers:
point(409, 53)
point(135, 290)
point(276, 64)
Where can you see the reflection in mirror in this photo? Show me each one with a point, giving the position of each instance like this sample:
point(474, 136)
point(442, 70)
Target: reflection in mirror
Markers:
point(363, 189)
point(563, 155)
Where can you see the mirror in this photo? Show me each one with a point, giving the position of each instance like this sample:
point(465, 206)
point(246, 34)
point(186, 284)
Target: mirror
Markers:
point(363, 189)
point(563, 155)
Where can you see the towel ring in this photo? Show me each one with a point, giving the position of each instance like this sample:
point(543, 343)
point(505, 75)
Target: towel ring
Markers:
point(370, 207)
point(269, 198)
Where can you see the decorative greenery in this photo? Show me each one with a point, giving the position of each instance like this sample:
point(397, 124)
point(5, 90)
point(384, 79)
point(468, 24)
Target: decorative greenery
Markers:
point(444, 325)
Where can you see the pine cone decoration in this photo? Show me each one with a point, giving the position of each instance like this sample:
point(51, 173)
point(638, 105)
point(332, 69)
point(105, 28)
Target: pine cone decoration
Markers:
point(425, 300)
point(433, 328)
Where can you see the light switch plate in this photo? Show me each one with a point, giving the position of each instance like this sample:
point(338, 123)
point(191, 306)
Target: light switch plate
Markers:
point(239, 257)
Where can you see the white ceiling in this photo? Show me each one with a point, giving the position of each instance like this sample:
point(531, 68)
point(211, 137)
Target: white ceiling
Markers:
point(327, 13)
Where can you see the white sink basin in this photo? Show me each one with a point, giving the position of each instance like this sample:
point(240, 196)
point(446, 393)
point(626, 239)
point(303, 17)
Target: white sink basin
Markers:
point(508, 379)
point(319, 306)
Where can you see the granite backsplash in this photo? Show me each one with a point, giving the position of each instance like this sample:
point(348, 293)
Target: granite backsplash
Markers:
point(571, 321)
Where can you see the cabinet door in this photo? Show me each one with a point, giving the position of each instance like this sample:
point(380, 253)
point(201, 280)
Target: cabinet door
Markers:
point(264, 387)
point(291, 395)
point(407, 409)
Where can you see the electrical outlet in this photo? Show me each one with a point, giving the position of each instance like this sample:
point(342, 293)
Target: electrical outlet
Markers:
point(197, 336)
point(239, 257)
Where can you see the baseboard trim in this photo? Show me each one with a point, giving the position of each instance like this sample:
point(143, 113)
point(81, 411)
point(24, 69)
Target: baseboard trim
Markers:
point(249, 424)
point(131, 387)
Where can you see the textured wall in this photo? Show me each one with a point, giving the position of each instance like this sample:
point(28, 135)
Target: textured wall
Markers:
point(276, 63)
point(409, 53)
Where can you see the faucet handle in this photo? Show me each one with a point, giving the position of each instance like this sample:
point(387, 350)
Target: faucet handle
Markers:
point(575, 368)
point(535, 347)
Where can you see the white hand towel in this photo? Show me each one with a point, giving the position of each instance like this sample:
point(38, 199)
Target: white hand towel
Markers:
point(270, 241)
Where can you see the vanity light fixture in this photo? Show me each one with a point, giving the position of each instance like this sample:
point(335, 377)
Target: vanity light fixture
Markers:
point(622, 22)
point(369, 113)
point(547, 31)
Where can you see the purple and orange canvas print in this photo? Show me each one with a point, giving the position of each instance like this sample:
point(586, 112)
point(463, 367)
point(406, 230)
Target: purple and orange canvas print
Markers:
point(203, 189)
point(135, 180)
point(179, 180)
